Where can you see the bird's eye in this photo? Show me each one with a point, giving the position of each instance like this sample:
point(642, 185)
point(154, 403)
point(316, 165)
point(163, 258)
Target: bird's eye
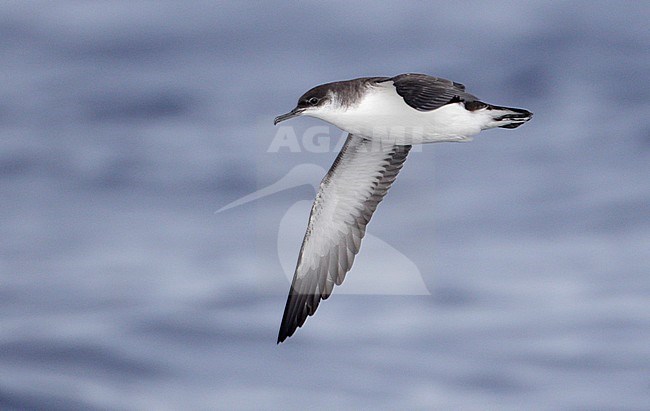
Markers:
point(313, 101)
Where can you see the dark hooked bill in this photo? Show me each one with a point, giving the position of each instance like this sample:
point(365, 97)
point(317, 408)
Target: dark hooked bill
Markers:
point(293, 113)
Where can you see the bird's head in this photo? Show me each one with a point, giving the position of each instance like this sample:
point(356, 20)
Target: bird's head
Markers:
point(316, 102)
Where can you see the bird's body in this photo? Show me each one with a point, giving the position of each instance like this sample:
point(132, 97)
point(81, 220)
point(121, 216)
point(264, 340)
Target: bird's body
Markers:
point(381, 114)
point(384, 116)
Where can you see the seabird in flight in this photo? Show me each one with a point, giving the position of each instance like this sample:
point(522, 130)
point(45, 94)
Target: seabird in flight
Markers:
point(384, 117)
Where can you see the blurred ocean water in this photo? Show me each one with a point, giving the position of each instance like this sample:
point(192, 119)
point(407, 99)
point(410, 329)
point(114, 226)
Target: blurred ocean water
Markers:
point(126, 125)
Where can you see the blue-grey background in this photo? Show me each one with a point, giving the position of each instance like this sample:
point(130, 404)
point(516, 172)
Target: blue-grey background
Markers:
point(125, 125)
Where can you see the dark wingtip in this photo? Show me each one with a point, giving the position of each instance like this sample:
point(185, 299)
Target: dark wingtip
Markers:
point(296, 311)
point(282, 335)
point(287, 326)
point(286, 331)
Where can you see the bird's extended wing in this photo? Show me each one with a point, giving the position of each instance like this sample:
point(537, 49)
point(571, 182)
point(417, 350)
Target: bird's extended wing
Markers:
point(348, 196)
point(426, 93)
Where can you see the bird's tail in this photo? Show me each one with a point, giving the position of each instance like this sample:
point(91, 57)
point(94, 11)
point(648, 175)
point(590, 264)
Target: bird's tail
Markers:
point(507, 117)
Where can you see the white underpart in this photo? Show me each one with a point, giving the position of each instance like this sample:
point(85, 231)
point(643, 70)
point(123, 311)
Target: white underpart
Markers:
point(383, 115)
